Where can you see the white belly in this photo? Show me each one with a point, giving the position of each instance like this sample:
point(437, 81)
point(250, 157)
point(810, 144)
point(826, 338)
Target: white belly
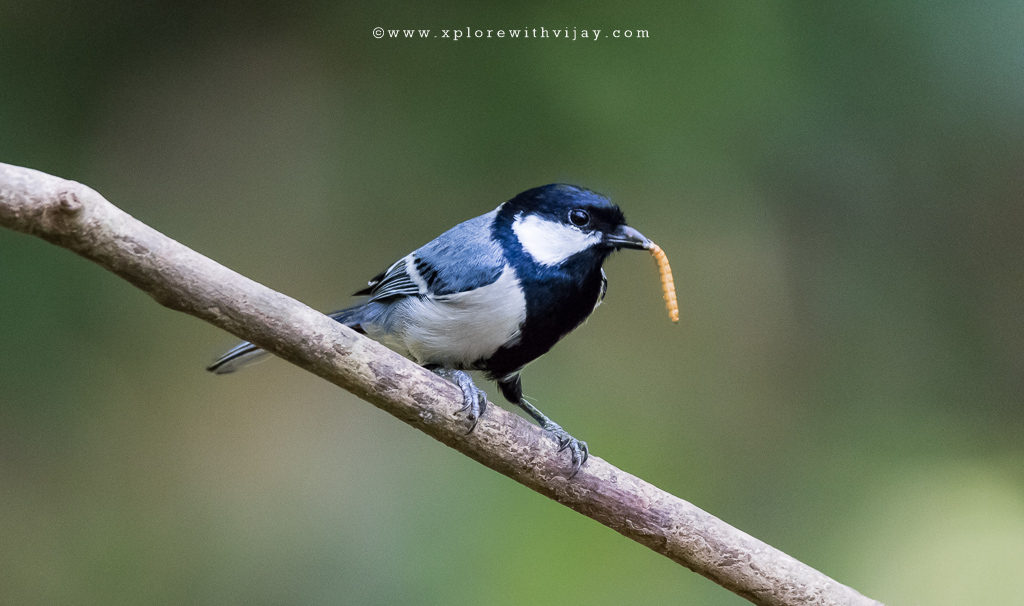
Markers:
point(455, 330)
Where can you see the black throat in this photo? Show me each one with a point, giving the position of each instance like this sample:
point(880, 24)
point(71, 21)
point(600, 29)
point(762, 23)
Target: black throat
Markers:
point(558, 298)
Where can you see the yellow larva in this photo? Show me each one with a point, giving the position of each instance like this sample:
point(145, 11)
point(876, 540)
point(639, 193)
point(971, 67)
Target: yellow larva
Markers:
point(668, 285)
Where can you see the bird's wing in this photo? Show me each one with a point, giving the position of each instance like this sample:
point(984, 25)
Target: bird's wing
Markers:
point(463, 258)
point(392, 282)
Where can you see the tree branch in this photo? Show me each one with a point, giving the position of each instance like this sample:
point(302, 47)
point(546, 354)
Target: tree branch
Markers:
point(75, 217)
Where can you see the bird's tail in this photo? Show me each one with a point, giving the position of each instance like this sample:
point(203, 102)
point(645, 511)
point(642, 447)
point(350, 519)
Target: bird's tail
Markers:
point(239, 356)
point(245, 353)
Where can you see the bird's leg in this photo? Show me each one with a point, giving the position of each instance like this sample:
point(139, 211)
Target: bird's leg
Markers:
point(577, 448)
point(474, 400)
point(512, 388)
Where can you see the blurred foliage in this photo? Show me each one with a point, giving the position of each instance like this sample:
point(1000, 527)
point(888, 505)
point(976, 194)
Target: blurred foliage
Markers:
point(839, 188)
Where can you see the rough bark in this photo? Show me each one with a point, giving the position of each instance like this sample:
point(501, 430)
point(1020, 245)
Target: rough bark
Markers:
point(75, 217)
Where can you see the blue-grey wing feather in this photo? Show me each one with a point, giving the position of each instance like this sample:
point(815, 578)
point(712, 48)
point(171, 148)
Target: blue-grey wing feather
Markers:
point(392, 282)
point(463, 258)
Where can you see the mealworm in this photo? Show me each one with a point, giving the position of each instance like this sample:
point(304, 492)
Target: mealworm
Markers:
point(668, 285)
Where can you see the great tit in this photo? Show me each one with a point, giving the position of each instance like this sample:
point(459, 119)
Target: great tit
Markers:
point(492, 294)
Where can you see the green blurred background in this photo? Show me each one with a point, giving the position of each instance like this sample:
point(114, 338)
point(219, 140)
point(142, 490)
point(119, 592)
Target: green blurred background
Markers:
point(840, 188)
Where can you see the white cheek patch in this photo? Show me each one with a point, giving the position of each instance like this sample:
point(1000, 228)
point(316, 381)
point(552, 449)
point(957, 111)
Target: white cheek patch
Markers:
point(548, 242)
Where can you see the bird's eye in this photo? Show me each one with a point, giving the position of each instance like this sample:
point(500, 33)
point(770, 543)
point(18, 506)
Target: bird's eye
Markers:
point(579, 217)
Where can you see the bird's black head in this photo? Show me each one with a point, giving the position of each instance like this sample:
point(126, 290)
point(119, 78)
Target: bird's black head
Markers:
point(555, 222)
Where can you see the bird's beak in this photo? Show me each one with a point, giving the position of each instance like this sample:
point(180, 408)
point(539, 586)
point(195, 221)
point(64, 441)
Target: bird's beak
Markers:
point(625, 236)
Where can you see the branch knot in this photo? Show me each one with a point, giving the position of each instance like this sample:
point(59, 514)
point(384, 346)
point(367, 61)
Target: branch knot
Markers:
point(68, 202)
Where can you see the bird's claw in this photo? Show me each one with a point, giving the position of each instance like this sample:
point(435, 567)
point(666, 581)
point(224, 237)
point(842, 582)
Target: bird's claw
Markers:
point(577, 448)
point(474, 399)
point(474, 402)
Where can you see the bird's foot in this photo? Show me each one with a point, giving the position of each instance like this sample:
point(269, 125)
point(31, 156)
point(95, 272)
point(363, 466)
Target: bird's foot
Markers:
point(474, 400)
point(577, 448)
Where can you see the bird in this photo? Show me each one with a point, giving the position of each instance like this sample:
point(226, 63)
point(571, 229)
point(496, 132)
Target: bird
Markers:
point(492, 294)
